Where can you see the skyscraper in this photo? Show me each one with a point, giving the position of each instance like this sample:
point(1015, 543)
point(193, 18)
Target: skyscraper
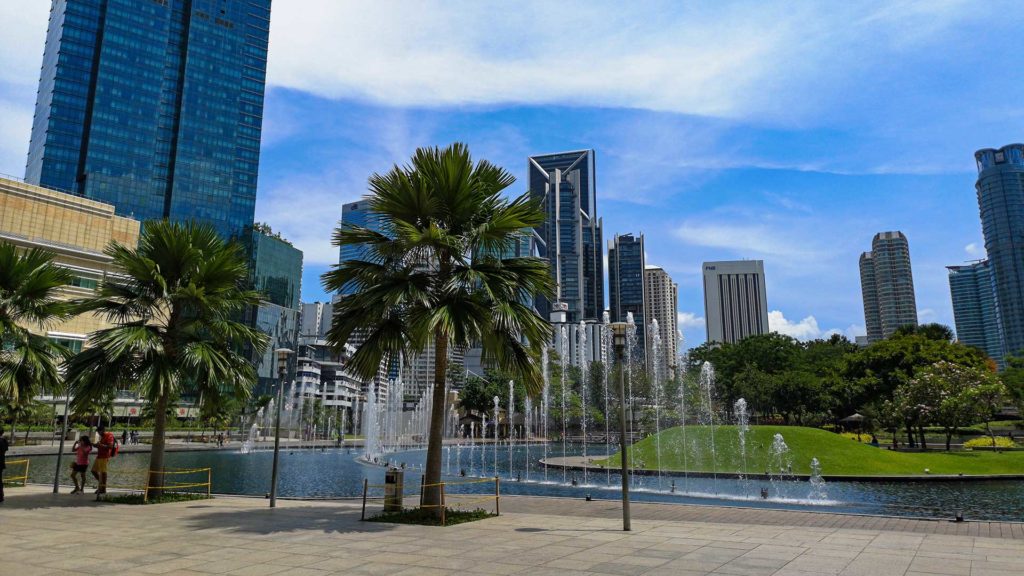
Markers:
point(887, 285)
point(155, 107)
point(275, 271)
point(735, 303)
point(570, 237)
point(973, 291)
point(1000, 190)
point(356, 214)
point(626, 284)
point(662, 301)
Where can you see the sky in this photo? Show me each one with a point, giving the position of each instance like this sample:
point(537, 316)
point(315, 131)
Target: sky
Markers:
point(789, 132)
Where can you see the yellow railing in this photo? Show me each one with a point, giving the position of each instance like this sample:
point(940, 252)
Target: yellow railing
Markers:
point(15, 479)
point(171, 483)
point(460, 499)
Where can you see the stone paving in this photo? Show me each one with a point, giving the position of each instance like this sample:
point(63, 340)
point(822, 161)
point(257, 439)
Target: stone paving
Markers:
point(64, 534)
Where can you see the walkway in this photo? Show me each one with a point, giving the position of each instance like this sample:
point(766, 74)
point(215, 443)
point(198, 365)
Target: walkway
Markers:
point(46, 534)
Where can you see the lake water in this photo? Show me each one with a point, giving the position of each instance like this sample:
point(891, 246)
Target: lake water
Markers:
point(339, 473)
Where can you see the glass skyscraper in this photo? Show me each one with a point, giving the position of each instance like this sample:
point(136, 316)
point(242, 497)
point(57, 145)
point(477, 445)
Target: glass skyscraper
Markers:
point(1000, 190)
point(356, 214)
point(626, 285)
point(570, 238)
point(973, 291)
point(154, 106)
point(275, 271)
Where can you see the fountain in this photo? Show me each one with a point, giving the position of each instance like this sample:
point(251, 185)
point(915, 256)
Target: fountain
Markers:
point(249, 445)
point(606, 350)
point(742, 427)
point(511, 425)
point(496, 421)
point(564, 357)
point(581, 349)
point(371, 434)
point(707, 389)
point(631, 344)
point(817, 483)
point(656, 385)
point(546, 399)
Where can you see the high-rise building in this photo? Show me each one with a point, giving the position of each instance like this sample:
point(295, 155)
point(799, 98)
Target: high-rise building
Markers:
point(570, 237)
point(735, 303)
point(973, 291)
point(1000, 190)
point(887, 285)
point(275, 271)
point(356, 213)
point(626, 285)
point(662, 300)
point(155, 107)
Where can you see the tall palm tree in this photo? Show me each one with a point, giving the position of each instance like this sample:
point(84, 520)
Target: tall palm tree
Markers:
point(29, 287)
point(435, 274)
point(174, 308)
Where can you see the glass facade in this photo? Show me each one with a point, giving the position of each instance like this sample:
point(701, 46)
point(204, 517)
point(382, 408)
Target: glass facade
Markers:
point(973, 292)
point(356, 214)
point(571, 236)
point(626, 284)
point(154, 106)
point(275, 270)
point(1000, 189)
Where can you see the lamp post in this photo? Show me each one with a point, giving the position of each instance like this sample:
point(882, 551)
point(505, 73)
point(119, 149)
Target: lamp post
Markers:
point(619, 339)
point(282, 373)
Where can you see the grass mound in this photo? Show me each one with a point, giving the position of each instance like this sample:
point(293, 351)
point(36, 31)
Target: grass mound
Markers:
point(164, 499)
point(689, 448)
point(425, 517)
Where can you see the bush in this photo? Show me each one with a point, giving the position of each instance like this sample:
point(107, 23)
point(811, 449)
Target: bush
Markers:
point(986, 442)
point(853, 436)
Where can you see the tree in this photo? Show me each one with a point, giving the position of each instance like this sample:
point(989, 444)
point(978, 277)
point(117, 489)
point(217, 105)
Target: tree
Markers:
point(174, 310)
point(953, 396)
point(932, 331)
point(435, 275)
point(29, 286)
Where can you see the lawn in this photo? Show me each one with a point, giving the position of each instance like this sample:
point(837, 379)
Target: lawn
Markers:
point(838, 456)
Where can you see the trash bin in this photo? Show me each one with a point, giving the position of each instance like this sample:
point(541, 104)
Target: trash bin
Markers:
point(394, 481)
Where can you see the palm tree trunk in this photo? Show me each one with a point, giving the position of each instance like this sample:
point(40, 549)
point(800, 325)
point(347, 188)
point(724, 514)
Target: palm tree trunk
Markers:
point(156, 455)
point(432, 474)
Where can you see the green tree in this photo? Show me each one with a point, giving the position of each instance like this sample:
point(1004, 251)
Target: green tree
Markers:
point(434, 275)
point(953, 396)
point(29, 287)
point(932, 331)
point(174, 311)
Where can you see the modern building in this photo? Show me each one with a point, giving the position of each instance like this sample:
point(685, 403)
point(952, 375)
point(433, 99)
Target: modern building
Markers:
point(1000, 189)
point(626, 287)
point(571, 236)
point(887, 286)
point(735, 300)
point(662, 304)
point(972, 288)
point(275, 271)
point(154, 106)
point(356, 214)
point(315, 320)
point(418, 370)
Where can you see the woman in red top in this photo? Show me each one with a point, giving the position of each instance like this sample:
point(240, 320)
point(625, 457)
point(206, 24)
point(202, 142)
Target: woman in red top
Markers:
point(81, 463)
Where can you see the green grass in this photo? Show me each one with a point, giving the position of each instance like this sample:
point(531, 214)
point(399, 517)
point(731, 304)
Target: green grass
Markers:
point(425, 517)
point(165, 499)
point(838, 455)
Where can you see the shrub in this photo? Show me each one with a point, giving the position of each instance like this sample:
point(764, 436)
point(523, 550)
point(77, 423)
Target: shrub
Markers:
point(986, 442)
point(853, 436)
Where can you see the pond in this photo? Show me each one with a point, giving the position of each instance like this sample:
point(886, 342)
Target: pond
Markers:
point(339, 473)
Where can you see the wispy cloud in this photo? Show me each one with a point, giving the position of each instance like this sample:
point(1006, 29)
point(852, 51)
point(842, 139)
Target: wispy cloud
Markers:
point(753, 240)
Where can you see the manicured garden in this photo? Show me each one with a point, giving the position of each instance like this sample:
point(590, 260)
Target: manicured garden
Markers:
point(839, 456)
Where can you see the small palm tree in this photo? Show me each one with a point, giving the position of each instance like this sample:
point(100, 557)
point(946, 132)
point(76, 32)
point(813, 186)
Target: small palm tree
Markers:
point(29, 286)
point(435, 274)
point(174, 309)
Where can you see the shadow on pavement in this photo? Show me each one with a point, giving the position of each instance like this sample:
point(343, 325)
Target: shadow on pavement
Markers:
point(327, 519)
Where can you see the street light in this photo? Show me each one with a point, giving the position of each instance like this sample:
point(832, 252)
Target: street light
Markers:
point(282, 373)
point(619, 340)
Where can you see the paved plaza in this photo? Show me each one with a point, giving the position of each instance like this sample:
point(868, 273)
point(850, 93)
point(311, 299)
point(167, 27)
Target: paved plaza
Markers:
point(47, 534)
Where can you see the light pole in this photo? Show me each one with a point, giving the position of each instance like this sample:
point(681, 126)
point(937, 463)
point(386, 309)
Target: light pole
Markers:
point(619, 336)
point(282, 373)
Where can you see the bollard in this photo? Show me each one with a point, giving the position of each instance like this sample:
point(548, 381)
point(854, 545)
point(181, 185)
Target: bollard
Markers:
point(366, 483)
point(394, 484)
point(497, 496)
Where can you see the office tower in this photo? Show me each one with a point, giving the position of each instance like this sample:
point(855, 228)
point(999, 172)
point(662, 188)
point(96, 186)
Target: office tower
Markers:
point(887, 285)
point(356, 214)
point(315, 321)
point(275, 271)
point(626, 285)
point(973, 291)
point(1000, 190)
point(570, 237)
point(735, 303)
point(154, 106)
point(662, 300)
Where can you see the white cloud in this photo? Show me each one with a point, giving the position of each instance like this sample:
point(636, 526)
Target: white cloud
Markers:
point(805, 329)
point(690, 320)
point(974, 250)
point(927, 316)
point(747, 240)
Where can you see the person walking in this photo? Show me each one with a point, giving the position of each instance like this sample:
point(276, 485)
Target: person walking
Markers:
point(3, 461)
point(105, 450)
point(82, 448)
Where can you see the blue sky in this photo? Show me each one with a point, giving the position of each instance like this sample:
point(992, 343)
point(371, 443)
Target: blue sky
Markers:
point(789, 132)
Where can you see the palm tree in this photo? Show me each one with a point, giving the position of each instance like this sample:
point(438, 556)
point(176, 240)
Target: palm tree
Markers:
point(29, 285)
point(174, 308)
point(435, 274)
